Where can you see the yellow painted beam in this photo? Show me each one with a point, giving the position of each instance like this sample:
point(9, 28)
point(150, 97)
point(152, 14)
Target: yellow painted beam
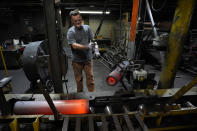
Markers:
point(14, 125)
point(3, 61)
point(182, 91)
point(5, 67)
point(176, 41)
point(134, 20)
point(36, 124)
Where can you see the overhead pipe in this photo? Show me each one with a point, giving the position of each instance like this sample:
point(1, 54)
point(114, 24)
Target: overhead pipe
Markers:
point(151, 19)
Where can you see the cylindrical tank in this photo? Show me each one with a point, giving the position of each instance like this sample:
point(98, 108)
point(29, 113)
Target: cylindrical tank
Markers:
point(80, 106)
point(114, 77)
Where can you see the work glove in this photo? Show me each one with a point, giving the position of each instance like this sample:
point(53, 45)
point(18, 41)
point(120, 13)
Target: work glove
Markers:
point(90, 46)
point(96, 50)
point(96, 55)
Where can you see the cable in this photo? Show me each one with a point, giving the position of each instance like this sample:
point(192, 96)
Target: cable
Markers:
point(159, 9)
point(101, 22)
point(120, 25)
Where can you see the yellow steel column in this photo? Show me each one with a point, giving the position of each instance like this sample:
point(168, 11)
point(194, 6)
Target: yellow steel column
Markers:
point(36, 124)
point(3, 61)
point(176, 41)
point(14, 125)
point(5, 67)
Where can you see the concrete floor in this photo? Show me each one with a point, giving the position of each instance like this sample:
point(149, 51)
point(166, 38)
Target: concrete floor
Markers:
point(20, 83)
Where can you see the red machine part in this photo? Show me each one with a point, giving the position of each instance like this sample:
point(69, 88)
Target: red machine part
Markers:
point(80, 106)
point(114, 77)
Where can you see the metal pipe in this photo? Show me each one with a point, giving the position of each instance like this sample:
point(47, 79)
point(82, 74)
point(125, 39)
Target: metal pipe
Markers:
point(134, 18)
point(127, 119)
point(80, 106)
point(151, 19)
point(116, 75)
point(182, 91)
point(108, 110)
point(178, 34)
point(189, 104)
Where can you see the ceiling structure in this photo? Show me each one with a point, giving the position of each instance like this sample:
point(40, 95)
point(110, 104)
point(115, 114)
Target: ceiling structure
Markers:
point(116, 7)
point(113, 5)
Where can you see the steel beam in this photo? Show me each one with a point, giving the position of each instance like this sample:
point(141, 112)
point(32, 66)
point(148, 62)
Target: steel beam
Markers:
point(14, 125)
point(151, 19)
point(141, 122)
point(105, 124)
point(36, 124)
point(78, 124)
point(131, 44)
point(54, 48)
point(65, 124)
point(48, 99)
point(182, 91)
point(176, 41)
point(127, 119)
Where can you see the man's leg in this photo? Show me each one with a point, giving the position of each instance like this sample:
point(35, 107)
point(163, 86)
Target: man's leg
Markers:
point(77, 68)
point(88, 68)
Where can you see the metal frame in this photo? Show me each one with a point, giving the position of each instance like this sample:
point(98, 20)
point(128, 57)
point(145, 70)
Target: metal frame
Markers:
point(54, 47)
point(179, 29)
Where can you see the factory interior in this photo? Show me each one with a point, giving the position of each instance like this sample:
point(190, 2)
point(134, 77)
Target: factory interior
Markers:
point(145, 74)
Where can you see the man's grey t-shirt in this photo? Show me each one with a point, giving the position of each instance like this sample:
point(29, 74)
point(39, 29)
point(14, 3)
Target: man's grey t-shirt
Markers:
point(80, 36)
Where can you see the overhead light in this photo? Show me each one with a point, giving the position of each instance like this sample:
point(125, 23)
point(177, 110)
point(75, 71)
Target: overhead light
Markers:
point(94, 12)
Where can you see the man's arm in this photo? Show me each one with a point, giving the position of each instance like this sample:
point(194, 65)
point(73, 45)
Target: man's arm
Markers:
point(79, 46)
point(72, 42)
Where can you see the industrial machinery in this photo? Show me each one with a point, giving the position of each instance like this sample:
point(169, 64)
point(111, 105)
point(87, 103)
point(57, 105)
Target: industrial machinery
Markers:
point(36, 64)
point(169, 109)
point(141, 109)
point(122, 69)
